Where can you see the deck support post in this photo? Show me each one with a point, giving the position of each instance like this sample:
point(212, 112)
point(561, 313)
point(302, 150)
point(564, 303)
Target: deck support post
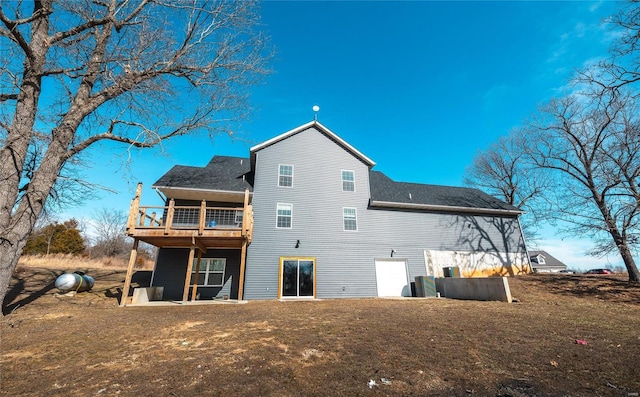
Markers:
point(127, 279)
point(195, 283)
point(187, 278)
point(243, 257)
point(245, 238)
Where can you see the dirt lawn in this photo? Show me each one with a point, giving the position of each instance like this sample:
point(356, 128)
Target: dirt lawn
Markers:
point(87, 346)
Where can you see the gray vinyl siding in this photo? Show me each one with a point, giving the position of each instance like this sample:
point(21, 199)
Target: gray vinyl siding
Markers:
point(317, 199)
point(345, 260)
point(171, 268)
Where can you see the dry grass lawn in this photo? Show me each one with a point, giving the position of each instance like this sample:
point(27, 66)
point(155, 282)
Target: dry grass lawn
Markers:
point(87, 346)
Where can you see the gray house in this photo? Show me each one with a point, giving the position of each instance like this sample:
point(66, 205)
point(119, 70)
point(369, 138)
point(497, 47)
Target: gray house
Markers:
point(543, 262)
point(314, 220)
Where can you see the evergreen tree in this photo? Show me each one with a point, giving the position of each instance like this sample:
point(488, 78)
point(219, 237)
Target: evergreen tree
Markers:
point(56, 238)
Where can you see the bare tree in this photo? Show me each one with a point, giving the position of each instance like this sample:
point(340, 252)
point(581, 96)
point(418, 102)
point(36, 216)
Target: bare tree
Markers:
point(622, 67)
point(589, 143)
point(136, 72)
point(109, 226)
point(502, 170)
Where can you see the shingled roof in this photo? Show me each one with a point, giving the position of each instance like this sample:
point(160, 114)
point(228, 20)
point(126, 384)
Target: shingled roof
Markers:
point(390, 194)
point(550, 262)
point(223, 173)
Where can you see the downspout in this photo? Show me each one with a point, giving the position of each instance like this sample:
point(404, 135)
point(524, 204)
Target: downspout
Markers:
point(162, 197)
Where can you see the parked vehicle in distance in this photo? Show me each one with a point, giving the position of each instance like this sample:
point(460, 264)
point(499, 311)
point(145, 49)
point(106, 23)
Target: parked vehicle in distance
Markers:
point(566, 271)
point(599, 271)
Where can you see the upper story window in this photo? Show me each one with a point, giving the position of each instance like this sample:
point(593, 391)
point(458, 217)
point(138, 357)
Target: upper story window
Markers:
point(284, 216)
point(348, 181)
point(285, 175)
point(350, 218)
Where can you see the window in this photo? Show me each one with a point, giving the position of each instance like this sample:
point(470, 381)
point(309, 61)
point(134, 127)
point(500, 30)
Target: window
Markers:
point(348, 181)
point(349, 216)
point(211, 271)
point(540, 260)
point(285, 175)
point(284, 216)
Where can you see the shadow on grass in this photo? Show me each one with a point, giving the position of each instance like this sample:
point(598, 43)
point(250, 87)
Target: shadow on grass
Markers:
point(139, 279)
point(606, 288)
point(29, 284)
point(20, 285)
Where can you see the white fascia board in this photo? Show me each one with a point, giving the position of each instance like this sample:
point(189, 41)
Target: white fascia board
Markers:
point(190, 189)
point(199, 190)
point(445, 208)
point(281, 137)
point(324, 129)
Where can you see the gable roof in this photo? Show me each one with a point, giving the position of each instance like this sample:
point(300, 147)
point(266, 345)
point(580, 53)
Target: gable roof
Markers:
point(222, 175)
point(386, 193)
point(322, 129)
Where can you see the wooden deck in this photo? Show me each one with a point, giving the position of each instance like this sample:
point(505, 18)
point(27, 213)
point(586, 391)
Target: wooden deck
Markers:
point(180, 226)
point(194, 227)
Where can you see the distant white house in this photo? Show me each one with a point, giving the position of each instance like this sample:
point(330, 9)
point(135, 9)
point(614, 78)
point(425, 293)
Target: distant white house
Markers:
point(543, 262)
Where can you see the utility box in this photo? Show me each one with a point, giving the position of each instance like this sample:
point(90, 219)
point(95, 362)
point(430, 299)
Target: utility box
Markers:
point(453, 271)
point(425, 287)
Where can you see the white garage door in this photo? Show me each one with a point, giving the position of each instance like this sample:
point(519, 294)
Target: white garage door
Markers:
point(391, 278)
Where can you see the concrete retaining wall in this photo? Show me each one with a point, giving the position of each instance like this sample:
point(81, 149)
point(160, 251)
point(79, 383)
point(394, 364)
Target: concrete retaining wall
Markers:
point(480, 288)
point(146, 295)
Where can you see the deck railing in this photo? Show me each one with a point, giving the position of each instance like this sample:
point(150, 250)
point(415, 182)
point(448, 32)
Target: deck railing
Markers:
point(188, 217)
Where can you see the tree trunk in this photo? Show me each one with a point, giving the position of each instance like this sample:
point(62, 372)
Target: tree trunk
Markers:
point(11, 245)
point(630, 264)
point(623, 247)
point(17, 224)
point(619, 237)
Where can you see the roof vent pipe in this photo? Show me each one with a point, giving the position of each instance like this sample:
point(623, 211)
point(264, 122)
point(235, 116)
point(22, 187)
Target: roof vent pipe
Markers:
point(410, 196)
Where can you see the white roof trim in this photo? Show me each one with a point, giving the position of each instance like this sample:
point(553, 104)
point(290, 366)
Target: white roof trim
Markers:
point(445, 208)
point(323, 129)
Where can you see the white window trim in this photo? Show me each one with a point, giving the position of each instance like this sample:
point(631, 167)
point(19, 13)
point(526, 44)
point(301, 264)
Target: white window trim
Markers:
point(356, 219)
point(291, 216)
point(279, 175)
point(203, 276)
point(342, 181)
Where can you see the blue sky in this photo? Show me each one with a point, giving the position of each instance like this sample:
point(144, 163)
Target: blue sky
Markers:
point(419, 87)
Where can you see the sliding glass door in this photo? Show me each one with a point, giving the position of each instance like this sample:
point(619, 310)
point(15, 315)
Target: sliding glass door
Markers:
point(298, 277)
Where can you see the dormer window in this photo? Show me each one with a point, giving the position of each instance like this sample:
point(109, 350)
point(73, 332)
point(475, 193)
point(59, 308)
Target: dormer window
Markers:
point(285, 175)
point(348, 181)
point(539, 259)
